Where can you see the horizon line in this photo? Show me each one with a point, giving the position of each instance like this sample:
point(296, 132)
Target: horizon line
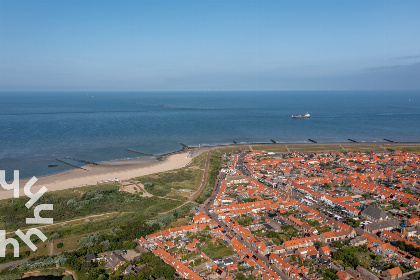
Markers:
point(220, 90)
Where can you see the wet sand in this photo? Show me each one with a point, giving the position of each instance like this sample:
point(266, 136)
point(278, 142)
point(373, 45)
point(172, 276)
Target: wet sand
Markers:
point(127, 169)
point(123, 170)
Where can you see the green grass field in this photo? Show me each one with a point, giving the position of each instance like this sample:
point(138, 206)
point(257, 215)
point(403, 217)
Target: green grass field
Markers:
point(214, 167)
point(231, 149)
point(161, 184)
point(81, 202)
point(216, 250)
point(275, 148)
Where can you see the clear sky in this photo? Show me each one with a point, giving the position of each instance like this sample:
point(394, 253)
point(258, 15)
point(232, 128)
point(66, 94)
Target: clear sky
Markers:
point(209, 45)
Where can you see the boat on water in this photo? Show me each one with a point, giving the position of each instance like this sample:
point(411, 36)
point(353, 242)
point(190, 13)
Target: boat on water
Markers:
point(306, 116)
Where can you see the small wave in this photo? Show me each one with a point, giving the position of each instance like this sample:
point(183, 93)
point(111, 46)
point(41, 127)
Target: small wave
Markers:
point(188, 107)
point(66, 113)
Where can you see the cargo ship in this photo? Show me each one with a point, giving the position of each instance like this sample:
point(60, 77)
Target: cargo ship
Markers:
point(306, 116)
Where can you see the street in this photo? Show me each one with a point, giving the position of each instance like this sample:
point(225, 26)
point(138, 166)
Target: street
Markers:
point(214, 216)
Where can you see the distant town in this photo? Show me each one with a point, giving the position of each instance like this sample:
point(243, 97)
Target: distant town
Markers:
point(322, 215)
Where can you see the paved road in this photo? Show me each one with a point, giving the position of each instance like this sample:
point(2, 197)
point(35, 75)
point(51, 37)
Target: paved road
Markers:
point(51, 244)
point(240, 165)
point(214, 217)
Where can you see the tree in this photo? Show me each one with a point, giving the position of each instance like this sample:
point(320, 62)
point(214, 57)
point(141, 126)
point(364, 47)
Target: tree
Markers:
point(165, 271)
point(73, 262)
point(240, 276)
point(318, 244)
point(96, 273)
point(354, 223)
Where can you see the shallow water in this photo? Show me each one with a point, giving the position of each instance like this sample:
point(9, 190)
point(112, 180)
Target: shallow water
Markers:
point(37, 128)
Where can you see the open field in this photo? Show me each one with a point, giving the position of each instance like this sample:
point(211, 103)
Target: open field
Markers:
point(233, 149)
point(217, 250)
point(215, 162)
point(81, 202)
point(179, 223)
point(92, 174)
point(171, 183)
point(178, 183)
point(73, 209)
point(70, 243)
point(280, 148)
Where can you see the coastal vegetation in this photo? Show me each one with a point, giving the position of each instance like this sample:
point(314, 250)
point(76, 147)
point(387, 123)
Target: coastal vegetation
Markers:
point(114, 239)
point(168, 184)
point(73, 209)
point(233, 149)
point(75, 203)
point(214, 168)
point(11, 276)
point(54, 271)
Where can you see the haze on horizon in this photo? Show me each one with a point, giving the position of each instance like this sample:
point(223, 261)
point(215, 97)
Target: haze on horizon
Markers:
point(209, 45)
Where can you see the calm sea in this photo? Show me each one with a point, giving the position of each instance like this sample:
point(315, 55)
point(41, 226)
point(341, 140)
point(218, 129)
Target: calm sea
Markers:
point(38, 127)
point(48, 277)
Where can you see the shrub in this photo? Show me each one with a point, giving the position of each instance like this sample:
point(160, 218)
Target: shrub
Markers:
point(54, 272)
point(11, 276)
point(60, 245)
point(54, 235)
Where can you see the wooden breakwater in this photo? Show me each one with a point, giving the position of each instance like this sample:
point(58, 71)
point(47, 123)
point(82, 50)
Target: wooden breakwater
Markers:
point(84, 161)
point(185, 146)
point(141, 153)
point(70, 164)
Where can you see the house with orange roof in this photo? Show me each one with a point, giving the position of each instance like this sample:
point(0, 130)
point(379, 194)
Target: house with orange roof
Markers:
point(309, 252)
point(393, 273)
point(327, 237)
point(191, 247)
point(325, 250)
point(179, 266)
point(299, 243)
point(219, 272)
point(343, 276)
point(232, 267)
point(201, 217)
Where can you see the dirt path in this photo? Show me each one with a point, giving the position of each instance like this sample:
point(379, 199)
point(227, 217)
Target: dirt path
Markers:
point(197, 192)
point(51, 248)
point(139, 185)
point(42, 228)
point(190, 199)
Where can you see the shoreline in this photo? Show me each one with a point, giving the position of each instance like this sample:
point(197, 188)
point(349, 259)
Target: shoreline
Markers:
point(135, 167)
point(92, 174)
point(37, 273)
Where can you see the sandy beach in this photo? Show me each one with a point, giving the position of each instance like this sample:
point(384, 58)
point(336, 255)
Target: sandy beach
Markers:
point(123, 170)
point(127, 169)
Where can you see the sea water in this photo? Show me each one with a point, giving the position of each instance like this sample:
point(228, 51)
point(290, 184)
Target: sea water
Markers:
point(38, 127)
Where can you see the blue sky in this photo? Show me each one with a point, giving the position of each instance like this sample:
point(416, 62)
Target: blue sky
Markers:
point(209, 45)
